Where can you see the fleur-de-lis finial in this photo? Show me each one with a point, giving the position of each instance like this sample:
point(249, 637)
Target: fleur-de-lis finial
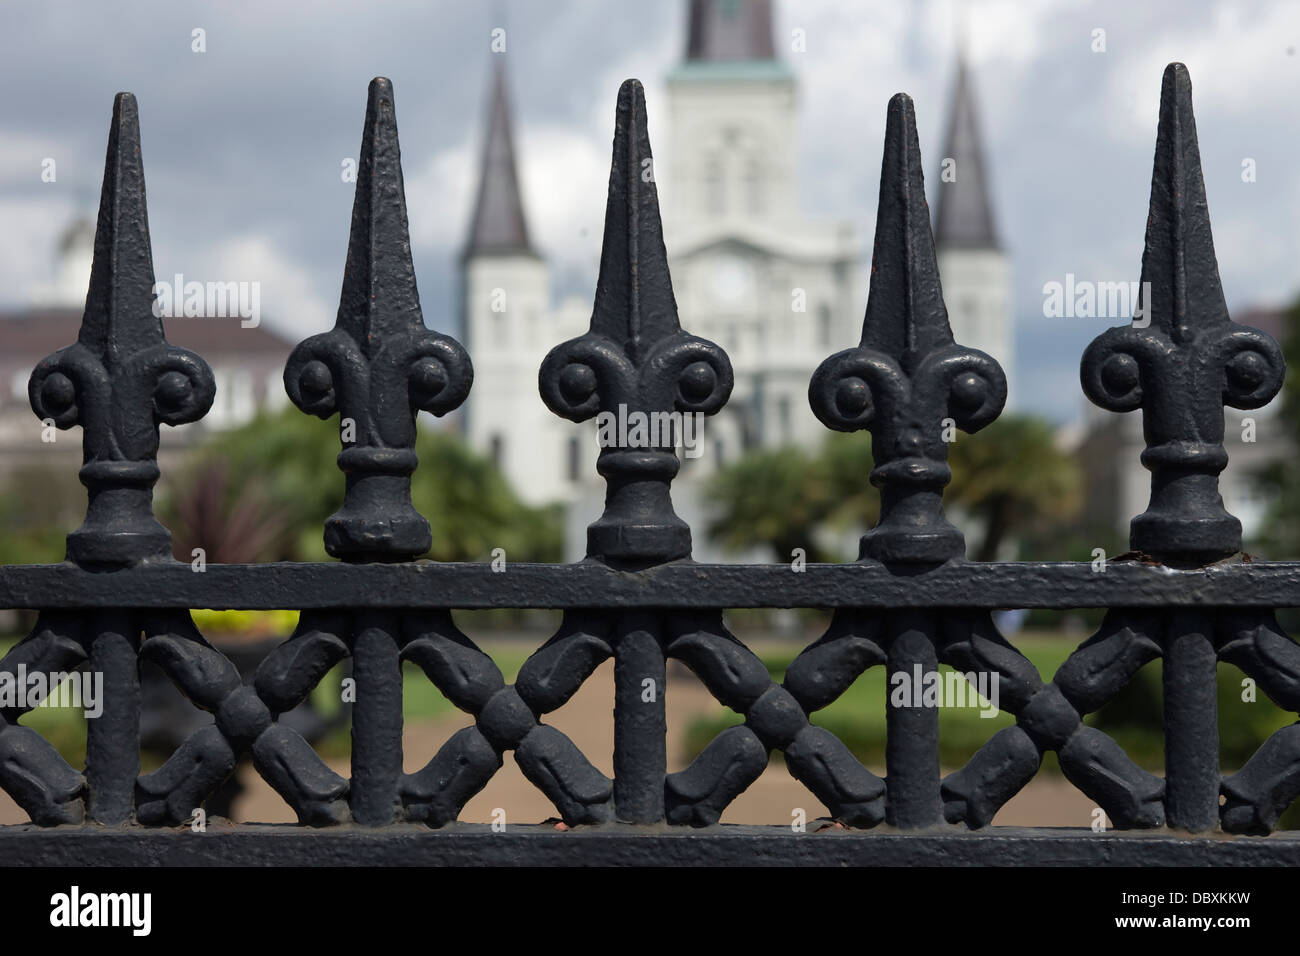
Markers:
point(121, 379)
point(1183, 358)
point(379, 365)
point(635, 360)
point(908, 375)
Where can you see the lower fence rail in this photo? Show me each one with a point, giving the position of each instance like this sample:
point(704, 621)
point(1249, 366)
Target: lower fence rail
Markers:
point(465, 844)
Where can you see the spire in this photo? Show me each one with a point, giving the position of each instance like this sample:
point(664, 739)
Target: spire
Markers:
point(730, 30)
point(965, 216)
point(498, 227)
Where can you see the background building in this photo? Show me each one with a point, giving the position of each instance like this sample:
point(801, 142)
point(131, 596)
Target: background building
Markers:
point(247, 363)
point(972, 264)
point(778, 291)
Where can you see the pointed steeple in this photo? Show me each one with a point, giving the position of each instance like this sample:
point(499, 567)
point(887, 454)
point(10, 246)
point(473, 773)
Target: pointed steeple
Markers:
point(730, 30)
point(965, 215)
point(498, 226)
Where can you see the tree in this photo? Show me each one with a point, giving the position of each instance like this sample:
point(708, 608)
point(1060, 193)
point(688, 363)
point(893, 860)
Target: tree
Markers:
point(282, 466)
point(1011, 478)
point(781, 498)
point(1014, 480)
point(39, 506)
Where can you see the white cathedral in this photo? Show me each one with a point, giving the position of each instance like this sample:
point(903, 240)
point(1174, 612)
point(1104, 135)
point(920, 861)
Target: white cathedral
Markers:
point(777, 291)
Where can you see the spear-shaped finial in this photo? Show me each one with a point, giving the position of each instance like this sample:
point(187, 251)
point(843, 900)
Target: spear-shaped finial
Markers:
point(379, 292)
point(635, 365)
point(908, 375)
point(120, 300)
point(121, 379)
point(1182, 358)
point(906, 316)
point(379, 365)
point(634, 304)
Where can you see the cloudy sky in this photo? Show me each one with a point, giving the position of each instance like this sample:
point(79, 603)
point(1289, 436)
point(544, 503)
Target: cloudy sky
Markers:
point(243, 144)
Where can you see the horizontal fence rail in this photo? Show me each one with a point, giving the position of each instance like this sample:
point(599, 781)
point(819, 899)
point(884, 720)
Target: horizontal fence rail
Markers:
point(423, 585)
point(911, 602)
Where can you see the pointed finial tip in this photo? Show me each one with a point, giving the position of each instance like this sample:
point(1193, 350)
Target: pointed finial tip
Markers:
point(1177, 77)
point(902, 107)
point(124, 105)
point(381, 101)
point(631, 91)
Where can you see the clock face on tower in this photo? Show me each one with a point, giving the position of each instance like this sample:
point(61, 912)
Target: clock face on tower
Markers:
point(733, 280)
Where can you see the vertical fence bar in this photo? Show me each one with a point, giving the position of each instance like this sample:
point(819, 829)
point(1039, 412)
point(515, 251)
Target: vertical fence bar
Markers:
point(905, 383)
point(912, 741)
point(636, 360)
point(1191, 724)
point(640, 723)
point(113, 738)
point(1181, 361)
point(120, 380)
point(376, 369)
point(376, 722)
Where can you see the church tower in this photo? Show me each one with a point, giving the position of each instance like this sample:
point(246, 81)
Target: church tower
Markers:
point(972, 264)
point(750, 272)
point(505, 325)
point(732, 114)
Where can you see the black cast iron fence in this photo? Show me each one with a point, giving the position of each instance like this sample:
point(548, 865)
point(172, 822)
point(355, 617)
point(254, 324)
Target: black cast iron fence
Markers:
point(910, 601)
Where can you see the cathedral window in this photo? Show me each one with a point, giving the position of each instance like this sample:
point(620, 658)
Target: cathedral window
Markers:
point(714, 196)
point(754, 186)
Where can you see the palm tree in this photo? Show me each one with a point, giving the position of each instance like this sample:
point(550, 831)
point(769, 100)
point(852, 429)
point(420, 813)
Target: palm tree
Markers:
point(1013, 478)
point(780, 498)
point(283, 464)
